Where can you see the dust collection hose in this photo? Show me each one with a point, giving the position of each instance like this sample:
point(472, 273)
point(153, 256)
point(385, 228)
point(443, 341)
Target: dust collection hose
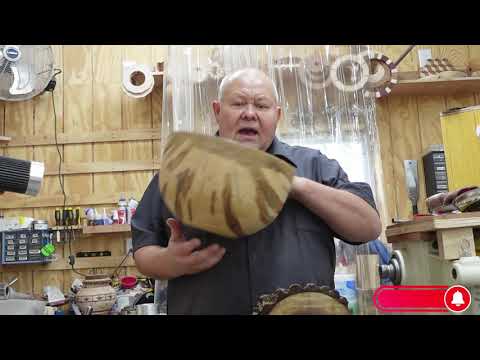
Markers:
point(21, 176)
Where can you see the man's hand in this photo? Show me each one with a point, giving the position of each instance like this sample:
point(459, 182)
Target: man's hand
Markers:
point(181, 254)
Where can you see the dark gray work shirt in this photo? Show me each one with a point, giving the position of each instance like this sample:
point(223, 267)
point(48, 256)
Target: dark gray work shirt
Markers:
point(297, 247)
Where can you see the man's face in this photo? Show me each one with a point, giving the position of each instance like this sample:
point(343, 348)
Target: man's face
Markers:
point(248, 112)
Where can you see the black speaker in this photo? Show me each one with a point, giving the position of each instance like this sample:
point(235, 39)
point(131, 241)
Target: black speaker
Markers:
point(21, 176)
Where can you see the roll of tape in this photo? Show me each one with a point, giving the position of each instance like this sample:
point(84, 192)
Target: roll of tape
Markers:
point(466, 271)
point(360, 76)
point(131, 70)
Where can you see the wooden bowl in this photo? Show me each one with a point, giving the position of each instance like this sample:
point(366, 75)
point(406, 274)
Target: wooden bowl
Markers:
point(220, 186)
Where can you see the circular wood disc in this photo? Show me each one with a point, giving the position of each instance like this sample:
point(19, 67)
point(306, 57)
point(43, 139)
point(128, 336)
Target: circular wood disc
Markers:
point(302, 300)
point(220, 186)
point(358, 77)
point(310, 303)
point(383, 77)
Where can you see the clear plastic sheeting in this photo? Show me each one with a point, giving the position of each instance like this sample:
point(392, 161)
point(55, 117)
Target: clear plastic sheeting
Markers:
point(323, 89)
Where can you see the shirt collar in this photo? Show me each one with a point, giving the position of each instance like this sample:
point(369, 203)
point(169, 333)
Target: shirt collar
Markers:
point(280, 150)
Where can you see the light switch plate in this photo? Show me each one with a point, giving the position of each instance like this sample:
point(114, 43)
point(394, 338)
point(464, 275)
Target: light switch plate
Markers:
point(423, 56)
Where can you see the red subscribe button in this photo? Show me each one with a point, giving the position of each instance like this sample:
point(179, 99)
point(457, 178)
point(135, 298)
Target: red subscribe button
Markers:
point(416, 298)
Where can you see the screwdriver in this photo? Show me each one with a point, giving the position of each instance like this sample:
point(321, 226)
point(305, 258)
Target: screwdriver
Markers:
point(77, 216)
point(64, 217)
point(58, 222)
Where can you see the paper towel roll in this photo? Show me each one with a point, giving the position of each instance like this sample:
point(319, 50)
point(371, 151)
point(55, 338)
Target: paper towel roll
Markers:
point(132, 70)
point(466, 271)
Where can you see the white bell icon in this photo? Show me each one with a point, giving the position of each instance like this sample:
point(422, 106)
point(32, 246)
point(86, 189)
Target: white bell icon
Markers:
point(458, 298)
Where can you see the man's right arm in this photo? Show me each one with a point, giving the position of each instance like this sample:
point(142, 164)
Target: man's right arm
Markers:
point(179, 258)
point(160, 256)
point(153, 261)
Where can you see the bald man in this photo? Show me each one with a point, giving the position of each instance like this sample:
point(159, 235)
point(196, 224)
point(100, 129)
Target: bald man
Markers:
point(209, 274)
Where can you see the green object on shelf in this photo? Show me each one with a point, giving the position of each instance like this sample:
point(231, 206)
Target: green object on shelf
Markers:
point(48, 250)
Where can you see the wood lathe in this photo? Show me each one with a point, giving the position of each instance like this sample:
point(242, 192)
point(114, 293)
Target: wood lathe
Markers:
point(436, 250)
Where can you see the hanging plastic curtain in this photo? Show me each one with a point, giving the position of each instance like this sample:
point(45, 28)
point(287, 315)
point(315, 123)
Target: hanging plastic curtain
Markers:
point(323, 89)
point(324, 92)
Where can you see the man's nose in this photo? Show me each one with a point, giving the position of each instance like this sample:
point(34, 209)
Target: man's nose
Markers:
point(250, 112)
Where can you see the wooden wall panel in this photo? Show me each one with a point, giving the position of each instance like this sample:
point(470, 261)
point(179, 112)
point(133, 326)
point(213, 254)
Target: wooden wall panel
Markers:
point(385, 138)
point(460, 100)
point(78, 112)
point(137, 113)
point(405, 144)
point(24, 283)
point(429, 108)
point(107, 115)
point(19, 121)
point(159, 54)
point(78, 108)
point(409, 63)
point(46, 120)
point(458, 55)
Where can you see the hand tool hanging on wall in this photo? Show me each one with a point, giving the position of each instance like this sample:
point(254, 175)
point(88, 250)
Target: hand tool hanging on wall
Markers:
point(76, 220)
point(411, 175)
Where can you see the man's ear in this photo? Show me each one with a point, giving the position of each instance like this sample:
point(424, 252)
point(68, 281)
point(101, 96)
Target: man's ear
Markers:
point(216, 109)
point(279, 113)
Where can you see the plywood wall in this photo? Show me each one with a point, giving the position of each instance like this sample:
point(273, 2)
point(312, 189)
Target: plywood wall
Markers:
point(408, 125)
point(89, 100)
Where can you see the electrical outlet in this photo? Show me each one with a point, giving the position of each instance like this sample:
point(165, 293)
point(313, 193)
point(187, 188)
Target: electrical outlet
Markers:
point(423, 56)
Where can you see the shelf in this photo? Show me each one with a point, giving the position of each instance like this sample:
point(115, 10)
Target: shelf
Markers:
point(73, 227)
point(437, 87)
point(80, 263)
point(106, 229)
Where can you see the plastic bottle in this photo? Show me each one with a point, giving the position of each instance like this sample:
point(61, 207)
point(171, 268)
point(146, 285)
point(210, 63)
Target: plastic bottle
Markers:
point(345, 284)
point(122, 210)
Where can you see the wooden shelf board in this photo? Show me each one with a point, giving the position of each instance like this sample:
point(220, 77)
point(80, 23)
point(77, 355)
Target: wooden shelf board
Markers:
point(73, 227)
point(437, 87)
point(80, 263)
point(434, 223)
point(106, 229)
